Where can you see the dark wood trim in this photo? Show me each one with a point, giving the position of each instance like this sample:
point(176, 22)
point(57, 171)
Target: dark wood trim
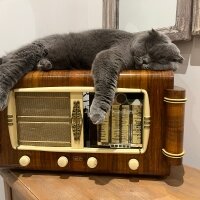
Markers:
point(196, 18)
point(110, 14)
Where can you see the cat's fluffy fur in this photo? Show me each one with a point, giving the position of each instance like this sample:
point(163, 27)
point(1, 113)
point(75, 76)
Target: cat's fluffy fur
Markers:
point(106, 52)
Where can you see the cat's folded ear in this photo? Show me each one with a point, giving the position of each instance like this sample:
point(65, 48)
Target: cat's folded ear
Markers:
point(1, 60)
point(154, 33)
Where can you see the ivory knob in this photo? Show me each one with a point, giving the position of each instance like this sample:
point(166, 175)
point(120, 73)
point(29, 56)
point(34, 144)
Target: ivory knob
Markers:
point(133, 164)
point(62, 161)
point(92, 162)
point(24, 161)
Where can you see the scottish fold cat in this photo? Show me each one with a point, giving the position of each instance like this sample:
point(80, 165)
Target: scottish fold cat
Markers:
point(106, 52)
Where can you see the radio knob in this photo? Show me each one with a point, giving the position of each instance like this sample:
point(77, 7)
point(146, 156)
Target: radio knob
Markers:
point(133, 164)
point(92, 162)
point(62, 161)
point(24, 161)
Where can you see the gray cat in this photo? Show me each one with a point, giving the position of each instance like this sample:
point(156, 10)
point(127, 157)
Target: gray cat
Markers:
point(107, 52)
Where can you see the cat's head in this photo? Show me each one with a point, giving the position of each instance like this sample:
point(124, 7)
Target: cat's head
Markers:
point(164, 53)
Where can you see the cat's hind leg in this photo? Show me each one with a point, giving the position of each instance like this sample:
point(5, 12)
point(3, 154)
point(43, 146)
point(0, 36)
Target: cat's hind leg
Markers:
point(3, 99)
point(16, 65)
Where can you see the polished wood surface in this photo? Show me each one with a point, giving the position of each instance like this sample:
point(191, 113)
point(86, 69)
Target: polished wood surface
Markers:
point(182, 184)
point(152, 162)
point(128, 78)
point(174, 112)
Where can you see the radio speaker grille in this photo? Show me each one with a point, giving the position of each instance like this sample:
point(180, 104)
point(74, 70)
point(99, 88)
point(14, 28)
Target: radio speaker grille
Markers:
point(43, 118)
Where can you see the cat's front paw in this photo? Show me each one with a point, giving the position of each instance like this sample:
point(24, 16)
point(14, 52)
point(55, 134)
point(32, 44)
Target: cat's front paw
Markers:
point(138, 60)
point(174, 66)
point(97, 115)
point(3, 99)
point(44, 65)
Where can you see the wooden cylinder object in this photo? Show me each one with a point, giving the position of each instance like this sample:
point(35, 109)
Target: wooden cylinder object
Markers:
point(174, 101)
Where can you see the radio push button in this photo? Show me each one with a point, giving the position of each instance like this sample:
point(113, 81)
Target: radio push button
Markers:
point(24, 161)
point(62, 161)
point(92, 162)
point(133, 164)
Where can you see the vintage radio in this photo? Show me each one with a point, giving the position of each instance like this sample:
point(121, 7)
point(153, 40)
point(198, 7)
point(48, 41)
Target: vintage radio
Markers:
point(46, 125)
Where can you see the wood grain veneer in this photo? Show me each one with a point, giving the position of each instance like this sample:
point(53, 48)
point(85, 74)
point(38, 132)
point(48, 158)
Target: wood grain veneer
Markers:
point(153, 162)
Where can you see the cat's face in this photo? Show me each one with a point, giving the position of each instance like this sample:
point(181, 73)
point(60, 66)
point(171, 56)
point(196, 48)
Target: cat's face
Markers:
point(165, 53)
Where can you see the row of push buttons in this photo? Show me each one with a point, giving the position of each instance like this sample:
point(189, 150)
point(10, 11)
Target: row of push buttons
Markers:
point(91, 162)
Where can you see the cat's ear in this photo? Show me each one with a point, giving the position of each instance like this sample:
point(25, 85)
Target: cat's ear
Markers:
point(1, 60)
point(154, 33)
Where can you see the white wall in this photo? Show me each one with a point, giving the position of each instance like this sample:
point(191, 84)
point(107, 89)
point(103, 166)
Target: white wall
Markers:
point(1, 189)
point(22, 21)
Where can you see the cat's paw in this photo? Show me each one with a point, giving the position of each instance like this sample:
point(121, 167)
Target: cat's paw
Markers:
point(138, 60)
point(145, 67)
point(146, 59)
point(3, 99)
point(97, 115)
point(174, 66)
point(44, 65)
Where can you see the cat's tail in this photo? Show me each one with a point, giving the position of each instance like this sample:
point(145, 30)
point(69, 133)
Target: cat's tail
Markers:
point(17, 64)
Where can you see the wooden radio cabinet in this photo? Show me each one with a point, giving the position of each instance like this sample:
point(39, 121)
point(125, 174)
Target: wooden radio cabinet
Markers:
point(46, 127)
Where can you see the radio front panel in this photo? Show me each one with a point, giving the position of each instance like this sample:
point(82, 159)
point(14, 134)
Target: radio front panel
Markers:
point(56, 119)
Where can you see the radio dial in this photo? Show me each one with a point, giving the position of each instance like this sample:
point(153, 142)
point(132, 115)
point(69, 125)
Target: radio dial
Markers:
point(92, 162)
point(62, 161)
point(24, 161)
point(133, 164)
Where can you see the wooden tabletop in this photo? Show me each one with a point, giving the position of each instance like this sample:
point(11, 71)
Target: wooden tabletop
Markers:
point(182, 184)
